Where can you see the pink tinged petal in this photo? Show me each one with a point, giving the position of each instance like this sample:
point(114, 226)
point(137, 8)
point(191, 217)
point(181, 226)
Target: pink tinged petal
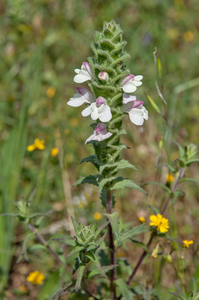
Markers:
point(77, 100)
point(91, 138)
point(82, 76)
point(128, 98)
point(100, 128)
point(87, 111)
point(129, 87)
point(131, 105)
point(103, 76)
point(87, 67)
point(100, 100)
point(126, 79)
point(86, 94)
point(106, 115)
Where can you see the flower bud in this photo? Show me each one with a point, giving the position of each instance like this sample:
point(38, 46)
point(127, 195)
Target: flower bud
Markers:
point(103, 76)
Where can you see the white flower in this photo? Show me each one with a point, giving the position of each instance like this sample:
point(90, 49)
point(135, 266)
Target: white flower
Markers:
point(82, 96)
point(130, 82)
point(137, 112)
point(103, 76)
point(84, 74)
point(100, 134)
point(98, 108)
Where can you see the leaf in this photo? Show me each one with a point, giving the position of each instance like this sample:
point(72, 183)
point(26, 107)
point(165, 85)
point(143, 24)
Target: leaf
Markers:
point(126, 183)
point(113, 218)
point(134, 231)
point(94, 259)
point(25, 242)
point(169, 191)
point(140, 244)
point(122, 164)
point(99, 229)
point(124, 289)
point(92, 159)
point(159, 67)
point(176, 195)
point(153, 104)
point(63, 290)
point(75, 250)
point(154, 209)
point(92, 179)
point(188, 180)
point(80, 276)
point(76, 226)
point(104, 181)
point(65, 241)
point(105, 269)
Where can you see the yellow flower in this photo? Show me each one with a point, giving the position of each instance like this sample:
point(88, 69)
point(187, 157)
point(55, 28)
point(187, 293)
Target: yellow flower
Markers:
point(54, 151)
point(142, 219)
point(50, 92)
point(22, 288)
point(170, 178)
point(97, 216)
point(161, 223)
point(187, 243)
point(36, 277)
point(188, 36)
point(37, 145)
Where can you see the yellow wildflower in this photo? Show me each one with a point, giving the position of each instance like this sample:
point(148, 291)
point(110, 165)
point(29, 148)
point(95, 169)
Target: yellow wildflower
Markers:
point(187, 243)
point(170, 178)
point(66, 131)
point(161, 223)
point(74, 122)
point(54, 151)
point(97, 216)
point(142, 219)
point(22, 288)
point(188, 36)
point(38, 144)
point(36, 277)
point(50, 92)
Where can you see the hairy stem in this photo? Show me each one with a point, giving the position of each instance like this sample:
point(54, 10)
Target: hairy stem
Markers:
point(180, 175)
point(111, 246)
point(43, 241)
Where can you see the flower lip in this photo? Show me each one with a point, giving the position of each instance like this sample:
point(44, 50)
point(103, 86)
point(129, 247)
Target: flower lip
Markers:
point(87, 68)
point(99, 134)
point(101, 127)
point(130, 102)
point(127, 79)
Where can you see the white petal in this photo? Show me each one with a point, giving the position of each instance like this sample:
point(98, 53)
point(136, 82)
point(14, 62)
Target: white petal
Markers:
point(106, 115)
point(82, 76)
point(95, 114)
point(77, 100)
point(77, 71)
point(92, 137)
point(138, 77)
point(129, 87)
point(136, 116)
point(137, 83)
point(87, 111)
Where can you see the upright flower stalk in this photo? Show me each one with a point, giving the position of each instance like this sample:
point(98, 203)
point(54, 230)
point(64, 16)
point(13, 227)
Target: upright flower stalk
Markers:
point(108, 101)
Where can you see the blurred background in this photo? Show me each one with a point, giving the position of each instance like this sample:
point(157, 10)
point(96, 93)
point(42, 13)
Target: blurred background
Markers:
point(41, 43)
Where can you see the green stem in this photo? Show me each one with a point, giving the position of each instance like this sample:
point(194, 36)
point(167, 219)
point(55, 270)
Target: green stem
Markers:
point(111, 246)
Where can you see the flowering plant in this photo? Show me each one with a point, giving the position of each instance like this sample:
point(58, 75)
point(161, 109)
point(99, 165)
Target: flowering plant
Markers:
point(110, 98)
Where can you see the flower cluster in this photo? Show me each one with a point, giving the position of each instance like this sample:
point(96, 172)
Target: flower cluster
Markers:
point(36, 277)
point(99, 109)
point(162, 224)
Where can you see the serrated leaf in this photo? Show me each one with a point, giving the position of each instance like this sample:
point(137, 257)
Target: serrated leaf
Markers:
point(124, 289)
point(153, 104)
point(113, 218)
point(104, 181)
point(92, 179)
point(122, 164)
point(80, 276)
point(99, 229)
point(134, 231)
point(126, 183)
point(76, 225)
point(94, 259)
point(125, 56)
point(105, 269)
point(92, 159)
